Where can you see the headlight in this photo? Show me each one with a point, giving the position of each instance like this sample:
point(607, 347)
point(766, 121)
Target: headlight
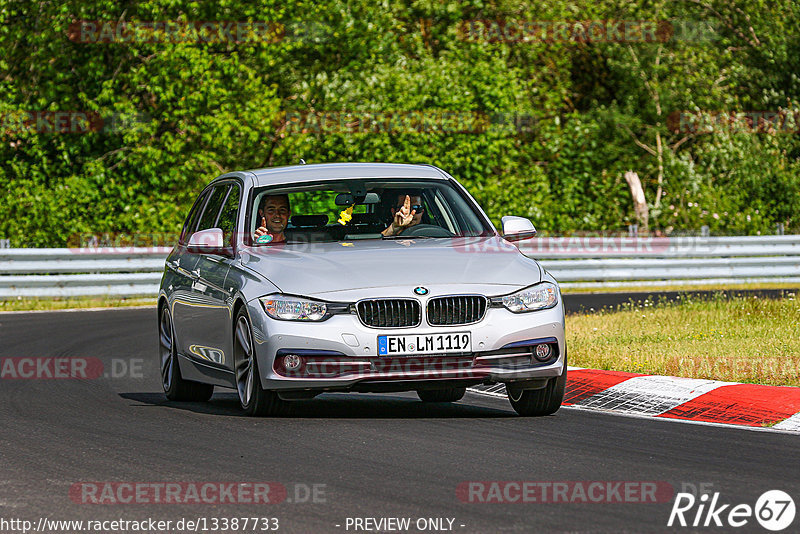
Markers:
point(539, 297)
point(294, 308)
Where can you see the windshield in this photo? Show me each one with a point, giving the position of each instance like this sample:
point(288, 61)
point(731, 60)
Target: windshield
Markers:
point(347, 210)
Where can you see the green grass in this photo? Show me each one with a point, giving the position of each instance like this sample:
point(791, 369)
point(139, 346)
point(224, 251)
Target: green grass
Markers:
point(38, 304)
point(750, 339)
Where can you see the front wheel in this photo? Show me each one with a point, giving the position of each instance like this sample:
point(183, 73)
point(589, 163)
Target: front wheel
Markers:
point(441, 395)
point(253, 398)
point(175, 387)
point(536, 402)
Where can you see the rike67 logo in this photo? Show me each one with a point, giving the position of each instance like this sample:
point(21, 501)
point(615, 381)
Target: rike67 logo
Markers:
point(774, 510)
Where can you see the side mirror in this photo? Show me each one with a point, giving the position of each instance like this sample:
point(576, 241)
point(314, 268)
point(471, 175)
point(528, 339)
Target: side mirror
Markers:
point(517, 228)
point(210, 241)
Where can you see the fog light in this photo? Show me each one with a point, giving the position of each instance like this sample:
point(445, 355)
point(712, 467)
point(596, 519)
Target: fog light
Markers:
point(292, 362)
point(542, 352)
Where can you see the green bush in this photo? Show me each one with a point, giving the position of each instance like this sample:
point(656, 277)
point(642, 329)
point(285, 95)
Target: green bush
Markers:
point(562, 121)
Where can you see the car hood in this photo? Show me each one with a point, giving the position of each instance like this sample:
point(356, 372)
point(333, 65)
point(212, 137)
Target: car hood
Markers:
point(323, 269)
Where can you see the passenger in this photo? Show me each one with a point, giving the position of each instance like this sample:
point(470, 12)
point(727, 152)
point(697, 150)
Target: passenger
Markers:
point(274, 213)
point(408, 213)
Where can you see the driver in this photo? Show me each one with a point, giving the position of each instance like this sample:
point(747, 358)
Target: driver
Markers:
point(408, 213)
point(274, 213)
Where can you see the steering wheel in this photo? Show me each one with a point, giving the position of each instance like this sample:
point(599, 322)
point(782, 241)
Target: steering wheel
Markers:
point(427, 230)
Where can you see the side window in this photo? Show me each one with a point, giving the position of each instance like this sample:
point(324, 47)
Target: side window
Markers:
point(191, 220)
point(227, 219)
point(211, 213)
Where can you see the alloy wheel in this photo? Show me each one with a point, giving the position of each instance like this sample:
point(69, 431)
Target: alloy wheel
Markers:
point(166, 351)
point(244, 361)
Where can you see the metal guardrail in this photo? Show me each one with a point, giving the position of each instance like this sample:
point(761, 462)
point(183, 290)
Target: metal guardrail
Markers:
point(574, 261)
point(596, 262)
point(68, 272)
point(660, 247)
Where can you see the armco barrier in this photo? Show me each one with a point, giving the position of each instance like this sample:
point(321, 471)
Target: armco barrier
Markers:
point(574, 261)
point(66, 272)
point(620, 261)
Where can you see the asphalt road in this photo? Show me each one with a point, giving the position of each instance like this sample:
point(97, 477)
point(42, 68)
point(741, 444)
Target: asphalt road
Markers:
point(376, 455)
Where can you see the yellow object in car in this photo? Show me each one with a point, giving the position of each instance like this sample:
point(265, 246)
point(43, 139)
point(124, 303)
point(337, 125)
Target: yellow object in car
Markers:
point(346, 216)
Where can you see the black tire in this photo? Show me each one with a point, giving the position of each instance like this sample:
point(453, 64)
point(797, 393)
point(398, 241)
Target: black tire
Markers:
point(441, 395)
point(253, 399)
point(537, 402)
point(175, 387)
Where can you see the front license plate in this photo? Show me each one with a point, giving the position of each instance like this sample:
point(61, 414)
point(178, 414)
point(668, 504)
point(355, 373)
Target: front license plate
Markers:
point(425, 344)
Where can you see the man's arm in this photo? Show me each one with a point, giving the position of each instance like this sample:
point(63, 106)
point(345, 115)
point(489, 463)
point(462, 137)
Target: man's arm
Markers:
point(402, 219)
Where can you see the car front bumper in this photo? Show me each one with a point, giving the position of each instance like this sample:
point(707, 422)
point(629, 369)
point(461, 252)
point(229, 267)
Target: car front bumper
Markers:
point(344, 355)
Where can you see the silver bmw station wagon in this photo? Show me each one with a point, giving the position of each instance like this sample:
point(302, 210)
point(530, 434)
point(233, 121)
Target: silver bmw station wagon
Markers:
point(355, 277)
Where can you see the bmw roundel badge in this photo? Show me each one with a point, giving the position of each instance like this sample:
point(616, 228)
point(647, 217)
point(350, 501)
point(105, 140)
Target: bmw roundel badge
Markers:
point(420, 291)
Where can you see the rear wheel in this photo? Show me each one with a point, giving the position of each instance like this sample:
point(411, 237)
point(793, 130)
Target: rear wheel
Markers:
point(441, 395)
point(175, 387)
point(535, 402)
point(254, 399)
